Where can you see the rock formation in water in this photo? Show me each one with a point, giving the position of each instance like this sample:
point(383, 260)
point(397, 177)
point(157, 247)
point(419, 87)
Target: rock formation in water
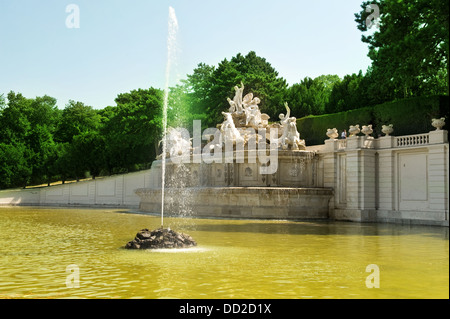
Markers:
point(160, 238)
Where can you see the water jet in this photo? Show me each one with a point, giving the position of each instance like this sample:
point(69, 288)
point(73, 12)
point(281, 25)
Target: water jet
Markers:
point(164, 237)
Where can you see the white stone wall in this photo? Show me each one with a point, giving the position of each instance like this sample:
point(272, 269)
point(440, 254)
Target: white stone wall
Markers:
point(390, 179)
point(117, 191)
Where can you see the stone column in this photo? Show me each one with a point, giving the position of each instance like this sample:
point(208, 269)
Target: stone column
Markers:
point(438, 169)
point(354, 142)
point(438, 137)
point(367, 179)
point(352, 176)
point(386, 177)
point(329, 170)
point(385, 142)
point(360, 181)
point(331, 145)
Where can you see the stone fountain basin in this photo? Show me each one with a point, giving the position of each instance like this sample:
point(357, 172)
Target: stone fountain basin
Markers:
point(247, 202)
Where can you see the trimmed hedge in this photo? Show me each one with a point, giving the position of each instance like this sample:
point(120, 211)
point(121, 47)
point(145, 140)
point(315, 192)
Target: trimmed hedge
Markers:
point(409, 116)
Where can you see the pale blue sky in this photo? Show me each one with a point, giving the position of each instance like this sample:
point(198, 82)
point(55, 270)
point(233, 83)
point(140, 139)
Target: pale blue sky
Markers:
point(121, 45)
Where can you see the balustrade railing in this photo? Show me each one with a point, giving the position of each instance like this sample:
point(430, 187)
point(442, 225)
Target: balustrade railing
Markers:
point(342, 144)
point(412, 140)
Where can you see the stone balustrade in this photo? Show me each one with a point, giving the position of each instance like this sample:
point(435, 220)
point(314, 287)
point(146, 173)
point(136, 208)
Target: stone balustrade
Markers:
point(412, 140)
point(402, 179)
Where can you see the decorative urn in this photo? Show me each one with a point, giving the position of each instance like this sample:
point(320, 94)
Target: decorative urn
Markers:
point(438, 123)
point(367, 130)
point(332, 133)
point(387, 129)
point(354, 129)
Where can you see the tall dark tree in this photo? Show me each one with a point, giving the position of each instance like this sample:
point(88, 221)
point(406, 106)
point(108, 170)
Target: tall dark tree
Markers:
point(132, 129)
point(15, 119)
point(75, 119)
point(43, 118)
point(199, 88)
point(211, 86)
point(410, 50)
point(87, 152)
point(350, 93)
point(28, 126)
point(14, 168)
point(15, 157)
point(311, 96)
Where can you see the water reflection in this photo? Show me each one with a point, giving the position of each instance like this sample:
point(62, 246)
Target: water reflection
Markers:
point(323, 228)
point(234, 259)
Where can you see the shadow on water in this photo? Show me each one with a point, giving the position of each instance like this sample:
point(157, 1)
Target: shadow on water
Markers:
point(307, 227)
point(325, 228)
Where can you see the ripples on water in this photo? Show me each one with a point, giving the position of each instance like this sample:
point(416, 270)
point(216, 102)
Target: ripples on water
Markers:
point(234, 258)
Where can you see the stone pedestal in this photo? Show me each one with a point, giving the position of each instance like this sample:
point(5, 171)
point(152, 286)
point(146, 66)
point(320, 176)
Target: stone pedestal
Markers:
point(386, 142)
point(439, 136)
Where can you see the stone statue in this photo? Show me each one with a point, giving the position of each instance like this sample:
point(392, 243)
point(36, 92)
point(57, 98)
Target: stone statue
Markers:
point(232, 108)
point(245, 110)
point(244, 113)
point(238, 98)
point(176, 144)
point(265, 120)
point(229, 130)
point(284, 121)
point(292, 138)
point(253, 116)
point(251, 110)
point(284, 118)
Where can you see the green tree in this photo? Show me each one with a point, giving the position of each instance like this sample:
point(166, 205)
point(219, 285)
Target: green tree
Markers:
point(182, 109)
point(211, 86)
point(198, 87)
point(311, 96)
point(15, 122)
point(299, 97)
point(75, 119)
point(132, 130)
point(44, 116)
point(41, 145)
point(62, 166)
point(410, 51)
point(87, 153)
point(349, 94)
point(14, 168)
point(27, 127)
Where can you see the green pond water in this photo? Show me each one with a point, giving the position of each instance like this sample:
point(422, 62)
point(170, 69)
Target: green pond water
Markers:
point(235, 259)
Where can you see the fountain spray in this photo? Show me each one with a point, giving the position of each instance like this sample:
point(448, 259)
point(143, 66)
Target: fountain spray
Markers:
point(164, 238)
point(171, 48)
